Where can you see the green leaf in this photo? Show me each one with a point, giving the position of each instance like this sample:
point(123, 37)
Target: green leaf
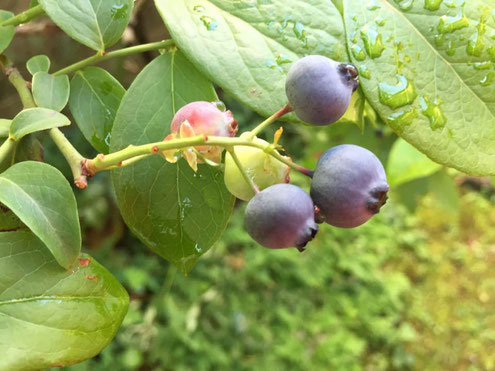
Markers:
point(33, 3)
point(430, 75)
point(94, 99)
point(36, 119)
point(6, 32)
point(51, 317)
point(444, 188)
point(51, 91)
point(9, 221)
point(247, 47)
point(97, 24)
point(38, 63)
point(42, 198)
point(406, 163)
point(179, 214)
point(4, 128)
point(355, 112)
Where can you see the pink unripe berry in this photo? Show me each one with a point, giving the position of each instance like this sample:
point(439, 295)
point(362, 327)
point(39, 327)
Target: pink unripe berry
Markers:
point(205, 118)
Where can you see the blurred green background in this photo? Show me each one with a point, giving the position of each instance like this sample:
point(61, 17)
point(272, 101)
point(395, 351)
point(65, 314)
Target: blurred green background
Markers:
point(413, 289)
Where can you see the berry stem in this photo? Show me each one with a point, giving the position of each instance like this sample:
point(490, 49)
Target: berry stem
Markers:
point(6, 149)
point(285, 110)
point(122, 157)
point(206, 160)
point(24, 17)
point(245, 175)
point(73, 157)
point(115, 54)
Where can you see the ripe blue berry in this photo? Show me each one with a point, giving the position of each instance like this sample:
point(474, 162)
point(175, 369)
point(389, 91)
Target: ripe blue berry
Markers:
point(281, 216)
point(349, 186)
point(319, 89)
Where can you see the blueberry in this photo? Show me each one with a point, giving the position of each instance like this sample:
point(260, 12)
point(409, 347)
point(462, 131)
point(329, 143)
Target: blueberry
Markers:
point(349, 186)
point(262, 168)
point(319, 89)
point(281, 216)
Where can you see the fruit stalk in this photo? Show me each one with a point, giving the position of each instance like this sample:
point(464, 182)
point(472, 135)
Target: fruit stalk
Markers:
point(282, 112)
point(6, 149)
point(112, 160)
point(245, 175)
point(73, 157)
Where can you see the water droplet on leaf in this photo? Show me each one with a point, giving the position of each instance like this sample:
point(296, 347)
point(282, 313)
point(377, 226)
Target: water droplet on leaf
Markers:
point(398, 95)
point(434, 113)
point(372, 41)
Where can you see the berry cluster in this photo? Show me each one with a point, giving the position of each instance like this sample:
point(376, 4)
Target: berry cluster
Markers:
point(348, 186)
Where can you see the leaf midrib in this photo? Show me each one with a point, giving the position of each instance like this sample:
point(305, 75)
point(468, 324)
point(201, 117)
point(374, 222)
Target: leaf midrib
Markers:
point(46, 297)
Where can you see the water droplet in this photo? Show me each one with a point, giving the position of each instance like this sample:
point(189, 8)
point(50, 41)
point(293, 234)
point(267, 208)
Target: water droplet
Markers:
point(405, 4)
point(488, 79)
point(273, 65)
point(282, 59)
point(486, 65)
point(402, 118)
point(278, 62)
point(373, 5)
point(475, 43)
point(439, 39)
point(380, 21)
point(221, 106)
point(364, 72)
point(433, 112)
point(354, 37)
point(451, 48)
point(185, 206)
point(107, 139)
point(399, 95)
point(433, 4)
point(455, 3)
point(199, 8)
point(119, 11)
point(358, 52)
point(210, 23)
point(372, 41)
point(450, 24)
point(300, 33)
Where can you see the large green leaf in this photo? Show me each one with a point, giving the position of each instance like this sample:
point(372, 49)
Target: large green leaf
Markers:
point(42, 198)
point(50, 91)
point(246, 47)
point(32, 120)
point(95, 96)
point(179, 214)
point(6, 32)
point(406, 163)
point(95, 23)
point(50, 316)
point(429, 67)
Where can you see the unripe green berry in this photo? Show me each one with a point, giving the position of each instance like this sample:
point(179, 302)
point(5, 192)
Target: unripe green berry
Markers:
point(262, 168)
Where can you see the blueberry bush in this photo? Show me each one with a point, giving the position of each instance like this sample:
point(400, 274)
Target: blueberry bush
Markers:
point(177, 156)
